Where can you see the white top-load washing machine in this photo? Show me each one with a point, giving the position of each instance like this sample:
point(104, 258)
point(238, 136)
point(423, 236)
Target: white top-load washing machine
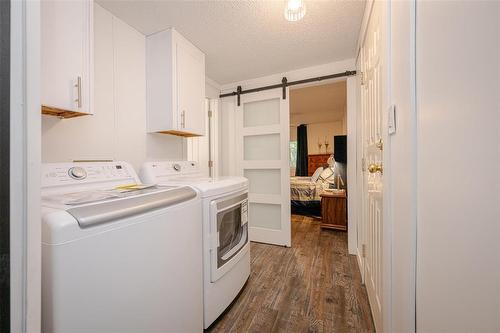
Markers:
point(226, 247)
point(118, 257)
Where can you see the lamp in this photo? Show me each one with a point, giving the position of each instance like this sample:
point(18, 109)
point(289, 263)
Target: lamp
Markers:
point(294, 10)
point(331, 161)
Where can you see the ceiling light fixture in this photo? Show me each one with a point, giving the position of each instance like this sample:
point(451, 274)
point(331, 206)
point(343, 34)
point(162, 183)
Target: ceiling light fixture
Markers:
point(294, 10)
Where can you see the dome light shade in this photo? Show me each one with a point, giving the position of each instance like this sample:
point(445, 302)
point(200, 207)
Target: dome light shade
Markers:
point(294, 10)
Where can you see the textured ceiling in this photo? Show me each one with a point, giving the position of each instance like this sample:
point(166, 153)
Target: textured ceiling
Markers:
point(249, 39)
point(318, 104)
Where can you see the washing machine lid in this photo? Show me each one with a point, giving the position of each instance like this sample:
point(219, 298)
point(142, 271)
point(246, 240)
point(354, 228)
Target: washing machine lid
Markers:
point(91, 208)
point(65, 223)
point(113, 210)
point(67, 200)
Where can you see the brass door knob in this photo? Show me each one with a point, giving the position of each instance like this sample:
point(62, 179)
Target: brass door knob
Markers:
point(374, 168)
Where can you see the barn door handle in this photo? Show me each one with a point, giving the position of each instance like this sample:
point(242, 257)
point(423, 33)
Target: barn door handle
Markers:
point(374, 168)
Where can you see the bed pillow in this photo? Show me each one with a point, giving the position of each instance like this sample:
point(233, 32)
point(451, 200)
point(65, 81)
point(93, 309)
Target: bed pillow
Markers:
point(316, 174)
point(326, 174)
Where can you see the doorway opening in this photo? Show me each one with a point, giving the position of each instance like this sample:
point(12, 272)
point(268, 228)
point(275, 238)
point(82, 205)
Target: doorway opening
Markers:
point(318, 153)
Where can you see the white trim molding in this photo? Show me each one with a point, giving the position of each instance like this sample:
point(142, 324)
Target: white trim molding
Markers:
point(25, 157)
point(364, 26)
point(352, 187)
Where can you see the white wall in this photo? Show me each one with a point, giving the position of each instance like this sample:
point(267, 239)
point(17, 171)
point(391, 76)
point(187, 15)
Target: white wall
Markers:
point(117, 130)
point(402, 166)
point(212, 89)
point(458, 195)
point(318, 132)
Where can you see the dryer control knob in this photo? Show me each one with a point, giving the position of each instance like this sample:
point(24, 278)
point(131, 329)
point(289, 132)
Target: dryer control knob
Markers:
point(177, 167)
point(77, 173)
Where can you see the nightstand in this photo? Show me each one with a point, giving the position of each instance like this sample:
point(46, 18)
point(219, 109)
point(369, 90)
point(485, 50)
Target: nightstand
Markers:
point(334, 211)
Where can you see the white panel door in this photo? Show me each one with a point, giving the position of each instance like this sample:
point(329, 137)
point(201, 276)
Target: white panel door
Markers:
point(262, 139)
point(372, 90)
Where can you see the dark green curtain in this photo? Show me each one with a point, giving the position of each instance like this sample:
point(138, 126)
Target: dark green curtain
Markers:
point(301, 168)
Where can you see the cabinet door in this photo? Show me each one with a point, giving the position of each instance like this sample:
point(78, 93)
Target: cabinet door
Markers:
point(66, 51)
point(190, 89)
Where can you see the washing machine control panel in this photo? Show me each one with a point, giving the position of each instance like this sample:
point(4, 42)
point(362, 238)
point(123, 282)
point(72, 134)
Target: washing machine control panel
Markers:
point(54, 174)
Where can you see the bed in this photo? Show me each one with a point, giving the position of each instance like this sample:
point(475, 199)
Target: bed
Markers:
point(305, 194)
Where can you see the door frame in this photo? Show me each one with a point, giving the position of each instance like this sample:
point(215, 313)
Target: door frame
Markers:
point(399, 297)
point(284, 236)
point(213, 129)
point(386, 232)
point(5, 253)
point(194, 145)
point(25, 160)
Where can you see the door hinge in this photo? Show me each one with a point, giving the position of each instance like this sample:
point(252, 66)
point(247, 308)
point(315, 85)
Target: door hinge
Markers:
point(210, 164)
point(210, 114)
point(362, 77)
point(363, 250)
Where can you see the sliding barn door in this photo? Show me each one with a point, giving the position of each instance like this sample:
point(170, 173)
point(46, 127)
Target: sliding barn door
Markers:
point(372, 92)
point(262, 135)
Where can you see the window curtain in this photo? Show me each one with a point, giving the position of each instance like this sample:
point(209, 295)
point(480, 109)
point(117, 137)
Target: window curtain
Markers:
point(301, 168)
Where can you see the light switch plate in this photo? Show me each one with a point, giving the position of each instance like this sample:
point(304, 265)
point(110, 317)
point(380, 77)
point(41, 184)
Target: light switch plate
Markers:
point(391, 120)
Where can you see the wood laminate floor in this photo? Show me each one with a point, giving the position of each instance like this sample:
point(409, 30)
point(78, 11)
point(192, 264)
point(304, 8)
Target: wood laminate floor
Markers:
point(314, 286)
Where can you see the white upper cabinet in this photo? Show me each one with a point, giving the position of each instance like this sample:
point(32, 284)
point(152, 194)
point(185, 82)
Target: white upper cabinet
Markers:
point(175, 85)
point(67, 57)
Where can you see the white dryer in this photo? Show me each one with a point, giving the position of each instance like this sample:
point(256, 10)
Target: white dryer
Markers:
point(226, 247)
point(116, 258)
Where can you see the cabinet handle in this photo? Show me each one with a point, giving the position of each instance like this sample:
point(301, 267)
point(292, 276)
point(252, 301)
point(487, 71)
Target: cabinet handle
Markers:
point(78, 86)
point(183, 119)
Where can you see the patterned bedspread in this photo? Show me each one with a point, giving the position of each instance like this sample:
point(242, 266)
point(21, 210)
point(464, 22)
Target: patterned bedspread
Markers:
point(303, 189)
